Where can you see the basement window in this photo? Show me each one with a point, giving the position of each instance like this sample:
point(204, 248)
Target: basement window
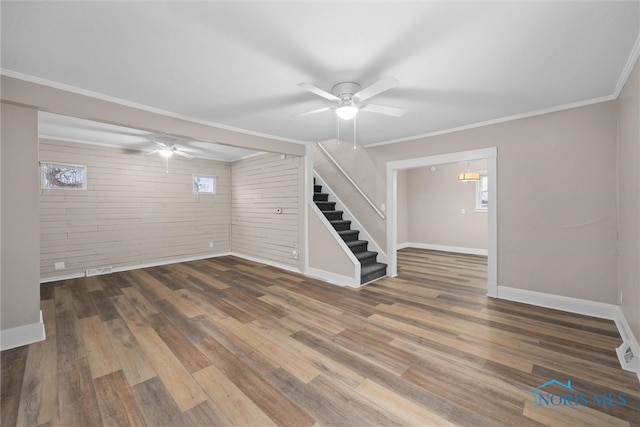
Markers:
point(205, 184)
point(63, 176)
point(482, 193)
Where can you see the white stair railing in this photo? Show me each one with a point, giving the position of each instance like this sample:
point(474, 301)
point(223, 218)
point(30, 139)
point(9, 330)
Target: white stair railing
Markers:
point(353, 183)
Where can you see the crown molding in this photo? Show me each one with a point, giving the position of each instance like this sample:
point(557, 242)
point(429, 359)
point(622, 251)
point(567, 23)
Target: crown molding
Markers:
point(497, 121)
point(626, 72)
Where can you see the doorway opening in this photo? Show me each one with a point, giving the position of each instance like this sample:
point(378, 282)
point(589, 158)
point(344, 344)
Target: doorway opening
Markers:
point(488, 154)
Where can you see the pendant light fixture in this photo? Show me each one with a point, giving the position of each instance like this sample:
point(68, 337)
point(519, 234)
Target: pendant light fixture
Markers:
point(468, 175)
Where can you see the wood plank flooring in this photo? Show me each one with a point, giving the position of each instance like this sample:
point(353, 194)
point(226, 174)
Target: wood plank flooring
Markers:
point(228, 342)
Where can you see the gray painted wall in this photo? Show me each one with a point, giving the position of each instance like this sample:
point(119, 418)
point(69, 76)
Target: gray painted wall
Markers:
point(629, 199)
point(20, 235)
point(434, 203)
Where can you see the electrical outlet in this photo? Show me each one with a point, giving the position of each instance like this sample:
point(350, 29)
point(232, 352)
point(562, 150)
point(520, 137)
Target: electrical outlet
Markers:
point(463, 211)
point(59, 266)
point(210, 244)
point(294, 254)
point(383, 207)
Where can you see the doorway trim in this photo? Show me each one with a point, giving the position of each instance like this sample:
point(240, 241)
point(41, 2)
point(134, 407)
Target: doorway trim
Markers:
point(490, 155)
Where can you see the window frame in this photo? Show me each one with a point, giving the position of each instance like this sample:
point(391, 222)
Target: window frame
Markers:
point(69, 166)
point(480, 207)
point(194, 186)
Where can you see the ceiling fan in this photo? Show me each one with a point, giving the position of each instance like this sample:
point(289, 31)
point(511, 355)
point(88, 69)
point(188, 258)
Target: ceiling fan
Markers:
point(167, 147)
point(349, 99)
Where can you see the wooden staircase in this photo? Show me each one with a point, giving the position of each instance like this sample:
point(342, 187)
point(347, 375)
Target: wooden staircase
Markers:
point(370, 268)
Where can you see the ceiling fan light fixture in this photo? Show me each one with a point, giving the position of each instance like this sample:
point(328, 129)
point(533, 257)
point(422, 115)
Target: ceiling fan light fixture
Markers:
point(347, 110)
point(165, 152)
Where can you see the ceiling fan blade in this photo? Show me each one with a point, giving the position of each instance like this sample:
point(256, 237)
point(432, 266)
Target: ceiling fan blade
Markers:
point(316, 90)
point(148, 153)
point(127, 150)
point(162, 144)
point(382, 109)
point(183, 154)
point(319, 110)
point(376, 88)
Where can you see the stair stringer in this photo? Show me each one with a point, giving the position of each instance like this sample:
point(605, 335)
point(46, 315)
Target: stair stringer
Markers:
point(374, 246)
point(332, 277)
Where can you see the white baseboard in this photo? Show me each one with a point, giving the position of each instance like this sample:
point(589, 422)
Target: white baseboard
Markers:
point(138, 266)
point(559, 302)
point(627, 336)
point(178, 260)
point(334, 279)
point(22, 335)
point(443, 248)
point(266, 261)
point(577, 306)
point(59, 278)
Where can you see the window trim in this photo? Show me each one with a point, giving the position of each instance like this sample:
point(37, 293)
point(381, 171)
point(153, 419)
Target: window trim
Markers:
point(479, 208)
point(44, 166)
point(194, 187)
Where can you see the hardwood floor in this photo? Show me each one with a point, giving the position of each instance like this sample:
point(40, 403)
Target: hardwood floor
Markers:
point(231, 342)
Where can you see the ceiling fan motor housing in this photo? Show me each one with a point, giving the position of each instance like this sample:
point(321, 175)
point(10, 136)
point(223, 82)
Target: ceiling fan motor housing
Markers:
point(345, 90)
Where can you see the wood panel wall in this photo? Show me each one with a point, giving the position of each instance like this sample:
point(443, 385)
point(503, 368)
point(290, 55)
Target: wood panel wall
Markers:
point(260, 185)
point(132, 213)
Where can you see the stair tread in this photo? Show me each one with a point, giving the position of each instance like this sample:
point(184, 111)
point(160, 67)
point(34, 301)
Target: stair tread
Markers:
point(356, 242)
point(342, 232)
point(366, 254)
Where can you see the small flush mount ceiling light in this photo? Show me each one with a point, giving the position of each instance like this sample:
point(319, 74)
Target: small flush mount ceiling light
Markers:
point(347, 110)
point(468, 176)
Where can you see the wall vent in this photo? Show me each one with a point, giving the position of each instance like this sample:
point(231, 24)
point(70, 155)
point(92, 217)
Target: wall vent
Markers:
point(98, 271)
point(628, 360)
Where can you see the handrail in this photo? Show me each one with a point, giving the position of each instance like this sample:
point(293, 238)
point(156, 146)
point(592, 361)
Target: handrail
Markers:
point(367, 199)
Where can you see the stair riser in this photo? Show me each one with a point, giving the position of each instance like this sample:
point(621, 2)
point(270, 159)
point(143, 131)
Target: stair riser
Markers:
point(369, 260)
point(332, 216)
point(320, 197)
point(342, 226)
point(317, 188)
point(359, 248)
point(373, 276)
point(326, 206)
point(350, 237)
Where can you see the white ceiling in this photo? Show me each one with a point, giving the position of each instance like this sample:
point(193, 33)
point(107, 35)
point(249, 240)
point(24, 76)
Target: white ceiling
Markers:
point(238, 63)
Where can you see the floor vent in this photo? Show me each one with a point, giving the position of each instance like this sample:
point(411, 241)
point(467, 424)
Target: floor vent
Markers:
point(98, 271)
point(628, 360)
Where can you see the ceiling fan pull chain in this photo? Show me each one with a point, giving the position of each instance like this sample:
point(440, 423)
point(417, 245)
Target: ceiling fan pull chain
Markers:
point(354, 133)
point(338, 124)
